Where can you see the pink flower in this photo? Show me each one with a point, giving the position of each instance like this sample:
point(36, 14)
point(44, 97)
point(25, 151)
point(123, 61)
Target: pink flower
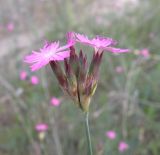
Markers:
point(10, 27)
point(145, 53)
point(23, 75)
point(55, 101)
point(70, 38)
point(50, 51)
point(111, 134)
point(119, 69)
point(100, 43)
point(41, 127)
point(123, 146)
point(34, 80)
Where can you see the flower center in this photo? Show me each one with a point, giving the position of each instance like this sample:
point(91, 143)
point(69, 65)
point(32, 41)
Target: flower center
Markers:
point(49, 54)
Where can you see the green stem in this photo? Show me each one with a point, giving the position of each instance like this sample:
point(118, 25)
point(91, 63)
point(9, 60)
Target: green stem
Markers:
point(90, 152)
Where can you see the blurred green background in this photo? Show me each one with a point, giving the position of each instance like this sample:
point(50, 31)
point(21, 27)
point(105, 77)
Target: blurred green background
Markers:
point(126, 101)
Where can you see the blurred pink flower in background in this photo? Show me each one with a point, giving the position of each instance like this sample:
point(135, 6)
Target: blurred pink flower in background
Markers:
point(23, 75)
point(41, 127)
point(55, 101)
point(123, 146)
point(111, 134)
point(34, 80)
point(119, 69)
point(10, 27)
point(145, 52)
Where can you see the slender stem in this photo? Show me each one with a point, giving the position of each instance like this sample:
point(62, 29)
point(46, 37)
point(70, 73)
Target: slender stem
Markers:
point(90, 152)
point(42, 148)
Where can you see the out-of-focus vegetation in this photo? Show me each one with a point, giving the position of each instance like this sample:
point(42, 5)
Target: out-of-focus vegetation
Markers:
point(127, 102)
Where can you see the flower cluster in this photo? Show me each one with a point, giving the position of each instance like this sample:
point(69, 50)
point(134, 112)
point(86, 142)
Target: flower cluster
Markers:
point(77, 79)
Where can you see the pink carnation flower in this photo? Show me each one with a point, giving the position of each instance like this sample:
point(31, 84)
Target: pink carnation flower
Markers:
point(23, 75)
point(55, 101)
point(111, 134)
point(10, 27)
point(123, 146)
point(50, 52)
point(100, 43)
point(34, 80)
point(41, 127)
point(145, 53)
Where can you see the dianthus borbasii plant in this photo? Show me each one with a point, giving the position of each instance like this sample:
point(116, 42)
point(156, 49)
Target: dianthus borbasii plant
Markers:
point(78, 79)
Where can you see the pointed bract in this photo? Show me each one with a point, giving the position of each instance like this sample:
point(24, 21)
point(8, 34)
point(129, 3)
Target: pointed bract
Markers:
point(59, 74)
